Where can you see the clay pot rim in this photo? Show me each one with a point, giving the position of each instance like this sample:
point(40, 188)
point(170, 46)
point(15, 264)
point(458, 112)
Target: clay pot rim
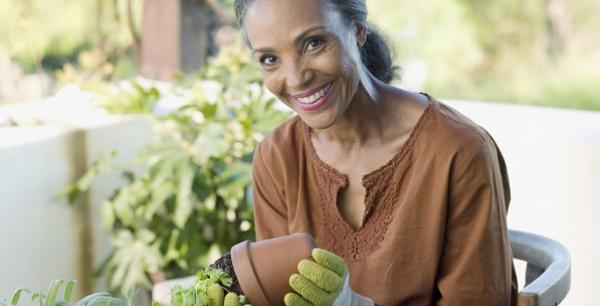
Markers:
point(247, 279)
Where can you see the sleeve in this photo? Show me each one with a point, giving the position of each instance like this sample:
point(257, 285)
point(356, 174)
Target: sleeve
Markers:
point(270, 213)
point(475, 267)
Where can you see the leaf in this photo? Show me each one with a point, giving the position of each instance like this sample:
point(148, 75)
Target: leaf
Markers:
point(87, 299)
point(210, 143)
point(39, 296)
point(17, 295)
point(184, 201)
point(125, 201)
point(209, 275)
point(69, 290)
point(107, 301)
point(61, 303)
point(107, 215)
point(98, 167)
point(158, 199)
point(134, 296)
point(52, 292)
point(134, 257)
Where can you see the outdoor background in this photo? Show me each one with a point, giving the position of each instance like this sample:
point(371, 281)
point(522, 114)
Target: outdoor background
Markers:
point(542, 52)
point(120, 173)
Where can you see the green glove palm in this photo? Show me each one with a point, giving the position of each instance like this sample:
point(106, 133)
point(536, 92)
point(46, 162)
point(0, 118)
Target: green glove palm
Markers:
point(217, 297)
point(318, 282)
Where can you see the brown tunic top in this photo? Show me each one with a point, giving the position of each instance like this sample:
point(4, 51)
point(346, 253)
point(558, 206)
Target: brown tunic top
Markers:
point(434, 229)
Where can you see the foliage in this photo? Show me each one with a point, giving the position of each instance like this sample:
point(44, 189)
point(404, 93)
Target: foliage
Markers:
point(508, 51)
point(193, 193)
point(52, 297)
point(198, 293)
point(34, 36)
point(136, 100)
point(422, 31)
point(473, 49)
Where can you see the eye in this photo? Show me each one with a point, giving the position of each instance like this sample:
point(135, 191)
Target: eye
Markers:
point(267, 60)
point(314, 43)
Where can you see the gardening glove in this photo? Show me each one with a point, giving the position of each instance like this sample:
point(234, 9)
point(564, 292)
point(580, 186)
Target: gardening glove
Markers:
point(323, 281)
point(217, 297)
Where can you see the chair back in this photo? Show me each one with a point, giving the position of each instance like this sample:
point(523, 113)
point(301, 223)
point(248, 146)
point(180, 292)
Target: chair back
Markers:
point(548, 275)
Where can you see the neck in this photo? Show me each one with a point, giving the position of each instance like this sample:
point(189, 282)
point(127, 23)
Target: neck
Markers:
point(363, 122)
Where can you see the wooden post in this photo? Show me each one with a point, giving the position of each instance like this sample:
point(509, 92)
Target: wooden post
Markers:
point(174, 37)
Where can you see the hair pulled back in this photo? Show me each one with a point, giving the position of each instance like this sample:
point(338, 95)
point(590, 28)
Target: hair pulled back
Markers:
point(375, 54)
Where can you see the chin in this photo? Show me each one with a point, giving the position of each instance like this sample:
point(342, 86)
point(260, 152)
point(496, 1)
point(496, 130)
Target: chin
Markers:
point(318, 122)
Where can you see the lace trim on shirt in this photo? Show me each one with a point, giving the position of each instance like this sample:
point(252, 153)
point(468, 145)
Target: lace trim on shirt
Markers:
point(339, 237)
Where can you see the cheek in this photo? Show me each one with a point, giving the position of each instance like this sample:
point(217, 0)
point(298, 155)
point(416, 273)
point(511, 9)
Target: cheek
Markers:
point(275, 85)
point(341, 65)
point(271, 83)
point(330, 61)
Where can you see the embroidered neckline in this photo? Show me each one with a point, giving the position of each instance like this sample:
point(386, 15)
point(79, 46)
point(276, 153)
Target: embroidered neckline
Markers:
point(373, 175)
point(340, 237)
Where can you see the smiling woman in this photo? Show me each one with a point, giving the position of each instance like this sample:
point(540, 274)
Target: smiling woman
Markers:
point(408, 196)
point(323, 39)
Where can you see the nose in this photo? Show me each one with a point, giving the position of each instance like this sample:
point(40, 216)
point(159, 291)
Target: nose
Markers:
point(297, 76)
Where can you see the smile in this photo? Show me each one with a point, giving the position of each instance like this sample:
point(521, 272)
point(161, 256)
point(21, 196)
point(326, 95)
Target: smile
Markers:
point(313, 98)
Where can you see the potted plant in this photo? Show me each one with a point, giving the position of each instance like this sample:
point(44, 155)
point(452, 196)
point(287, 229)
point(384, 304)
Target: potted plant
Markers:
point(257, 272)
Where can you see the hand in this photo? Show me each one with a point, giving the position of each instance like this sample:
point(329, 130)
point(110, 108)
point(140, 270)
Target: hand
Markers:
point(323, 282)
point(217, 297)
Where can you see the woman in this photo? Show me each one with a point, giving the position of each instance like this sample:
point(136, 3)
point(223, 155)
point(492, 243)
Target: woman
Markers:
point(409, 193)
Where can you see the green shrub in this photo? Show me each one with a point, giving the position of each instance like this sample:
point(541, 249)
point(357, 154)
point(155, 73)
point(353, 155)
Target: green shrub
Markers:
point(194, 193)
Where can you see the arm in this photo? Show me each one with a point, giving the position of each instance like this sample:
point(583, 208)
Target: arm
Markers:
point(475, 267)
point(270, 213)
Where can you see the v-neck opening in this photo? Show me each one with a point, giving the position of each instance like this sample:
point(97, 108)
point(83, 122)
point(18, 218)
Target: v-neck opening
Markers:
point(341, 180)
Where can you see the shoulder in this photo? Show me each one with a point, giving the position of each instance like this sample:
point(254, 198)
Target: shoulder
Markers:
point(284, 141)
point(450, 136)
point(280, 152)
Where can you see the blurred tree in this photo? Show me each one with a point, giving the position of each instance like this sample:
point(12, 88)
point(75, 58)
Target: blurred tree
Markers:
point(437, 32)
point(507, 29)
point(557, 27)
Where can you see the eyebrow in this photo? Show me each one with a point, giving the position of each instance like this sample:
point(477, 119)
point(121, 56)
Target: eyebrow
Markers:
point(298, 39)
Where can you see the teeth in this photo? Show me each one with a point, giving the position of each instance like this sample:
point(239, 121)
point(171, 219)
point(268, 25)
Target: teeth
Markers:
point(316, 96)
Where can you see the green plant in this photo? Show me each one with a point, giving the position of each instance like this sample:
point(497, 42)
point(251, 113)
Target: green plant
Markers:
point(52, 297)
point(192, 196)
point(199, 294)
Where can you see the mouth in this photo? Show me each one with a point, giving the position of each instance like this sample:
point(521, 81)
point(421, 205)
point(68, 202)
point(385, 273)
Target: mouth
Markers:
point(314, 99)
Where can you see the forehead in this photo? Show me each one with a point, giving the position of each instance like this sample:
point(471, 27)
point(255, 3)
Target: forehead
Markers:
point(269, 23)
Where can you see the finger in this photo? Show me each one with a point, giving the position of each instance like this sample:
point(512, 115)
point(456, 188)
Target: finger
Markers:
point(320, 275)
point(309, 291)
point(331, 261)
point(231, 299)
point(293, 299)
point(216, 295)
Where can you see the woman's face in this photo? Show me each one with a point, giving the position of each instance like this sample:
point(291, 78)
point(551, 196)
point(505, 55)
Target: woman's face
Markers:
point(308, 56)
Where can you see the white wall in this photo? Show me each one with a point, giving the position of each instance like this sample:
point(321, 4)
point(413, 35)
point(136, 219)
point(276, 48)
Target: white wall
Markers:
point(39, 235)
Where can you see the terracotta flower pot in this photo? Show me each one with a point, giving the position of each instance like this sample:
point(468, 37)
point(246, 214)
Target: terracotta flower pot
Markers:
point(264, 267)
